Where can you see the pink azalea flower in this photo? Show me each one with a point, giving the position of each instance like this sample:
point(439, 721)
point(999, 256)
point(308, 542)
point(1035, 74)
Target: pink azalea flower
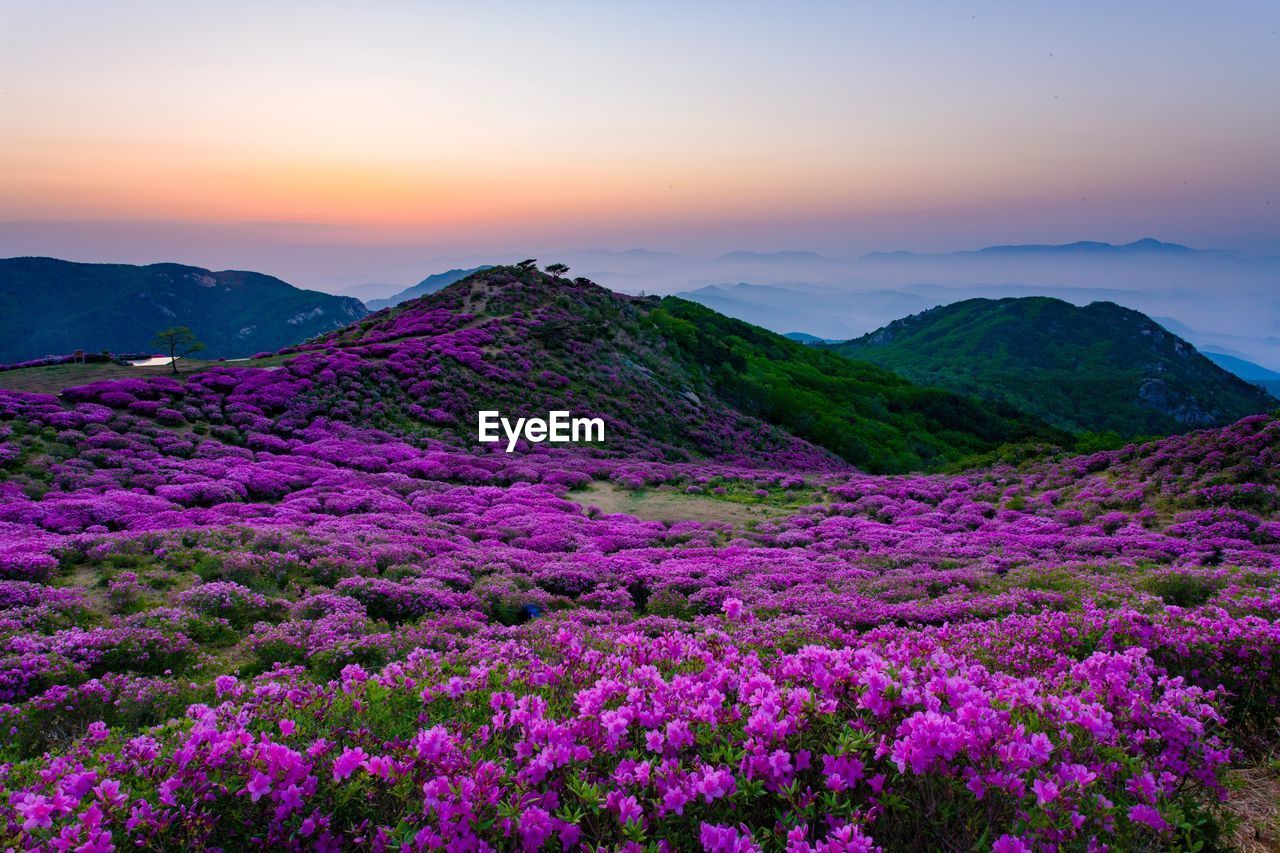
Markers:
point(347, 763)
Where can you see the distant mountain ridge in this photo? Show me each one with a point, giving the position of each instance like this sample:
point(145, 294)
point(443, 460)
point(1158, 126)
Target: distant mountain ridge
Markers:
point(1147, 245)
point(782, 308)
point(50, 306)
point(1255, 374)
point(1240, 367)
point(1100, 367)
point(430, 284)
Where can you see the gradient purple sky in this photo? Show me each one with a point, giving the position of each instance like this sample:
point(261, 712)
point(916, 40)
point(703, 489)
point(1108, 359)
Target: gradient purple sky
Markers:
point(242, 134)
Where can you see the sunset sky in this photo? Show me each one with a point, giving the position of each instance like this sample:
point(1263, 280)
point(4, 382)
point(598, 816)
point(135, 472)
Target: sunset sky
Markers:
point(209, 132)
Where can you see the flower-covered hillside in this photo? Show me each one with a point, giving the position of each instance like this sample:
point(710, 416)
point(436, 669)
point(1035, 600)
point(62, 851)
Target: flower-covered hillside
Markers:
point(280, 607)
point(672, 380)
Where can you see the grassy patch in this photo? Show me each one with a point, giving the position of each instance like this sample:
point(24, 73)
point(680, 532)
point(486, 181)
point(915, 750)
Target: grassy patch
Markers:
point(54, 378)
point(671, 505)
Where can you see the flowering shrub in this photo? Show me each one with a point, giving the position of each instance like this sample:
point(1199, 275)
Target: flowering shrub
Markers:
point(400, 602)
point(231, 601)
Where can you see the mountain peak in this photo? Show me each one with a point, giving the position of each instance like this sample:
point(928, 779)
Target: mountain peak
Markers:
point(1097, 367)
point(671, 378)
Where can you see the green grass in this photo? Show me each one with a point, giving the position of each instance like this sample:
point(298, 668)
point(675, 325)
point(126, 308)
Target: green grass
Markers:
point(55, 378)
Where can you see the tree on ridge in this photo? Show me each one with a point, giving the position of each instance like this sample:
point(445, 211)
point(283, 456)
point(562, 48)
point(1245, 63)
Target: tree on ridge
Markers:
point(179, 342)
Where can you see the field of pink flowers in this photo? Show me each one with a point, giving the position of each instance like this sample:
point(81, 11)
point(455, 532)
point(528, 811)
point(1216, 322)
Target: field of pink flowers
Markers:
point(254, 609)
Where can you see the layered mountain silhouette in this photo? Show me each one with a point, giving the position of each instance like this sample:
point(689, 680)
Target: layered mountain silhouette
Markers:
point(50, 306)
point(430, 284)
point(1254, 374)
point(843, 299)
point(1080, 248)
point(1241, 367)
point(1098, 367)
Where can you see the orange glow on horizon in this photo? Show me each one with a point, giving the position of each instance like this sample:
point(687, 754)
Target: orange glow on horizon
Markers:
point(121, 183)
point(499, 120)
